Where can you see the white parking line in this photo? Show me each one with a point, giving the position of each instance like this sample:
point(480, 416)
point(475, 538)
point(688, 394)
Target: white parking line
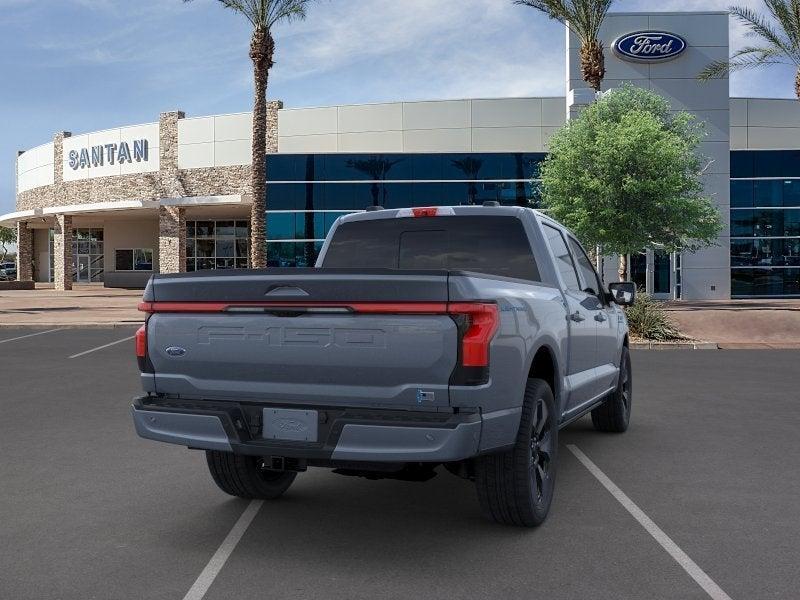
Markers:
point(101, 347)
point(688, 565)
point(214, 566)
point(22, 337)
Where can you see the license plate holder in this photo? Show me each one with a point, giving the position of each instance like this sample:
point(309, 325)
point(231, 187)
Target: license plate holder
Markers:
point(297, 425)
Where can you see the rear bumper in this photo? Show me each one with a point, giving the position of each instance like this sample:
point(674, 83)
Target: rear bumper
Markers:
point(344, 434)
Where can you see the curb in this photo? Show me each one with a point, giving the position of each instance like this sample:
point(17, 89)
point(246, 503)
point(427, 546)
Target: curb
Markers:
point(674, 346)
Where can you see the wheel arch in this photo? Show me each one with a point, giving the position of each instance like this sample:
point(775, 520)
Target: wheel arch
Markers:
point(544, 365)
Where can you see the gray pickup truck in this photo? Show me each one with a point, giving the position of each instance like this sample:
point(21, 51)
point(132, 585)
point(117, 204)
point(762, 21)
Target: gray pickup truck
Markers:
point(459, 336)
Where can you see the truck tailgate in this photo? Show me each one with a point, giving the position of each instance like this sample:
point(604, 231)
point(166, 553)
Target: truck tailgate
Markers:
point(309, 337)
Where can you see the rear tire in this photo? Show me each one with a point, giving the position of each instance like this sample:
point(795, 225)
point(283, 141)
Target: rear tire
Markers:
point(614, 415)
point(515, 487)
point(243, 476)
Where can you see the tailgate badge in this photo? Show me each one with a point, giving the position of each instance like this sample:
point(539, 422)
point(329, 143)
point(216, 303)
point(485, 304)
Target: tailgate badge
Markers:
point(175, 351)
point(423, 396)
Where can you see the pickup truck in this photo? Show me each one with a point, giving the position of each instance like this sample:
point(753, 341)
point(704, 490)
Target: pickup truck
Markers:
point(462, 337)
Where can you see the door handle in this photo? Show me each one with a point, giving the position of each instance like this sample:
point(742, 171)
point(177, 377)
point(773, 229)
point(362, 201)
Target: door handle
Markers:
point(600, 317)
point(577, 317)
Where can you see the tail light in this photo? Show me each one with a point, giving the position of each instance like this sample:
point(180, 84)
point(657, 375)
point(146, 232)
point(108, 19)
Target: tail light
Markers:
point(477, 323)
point(141, 349)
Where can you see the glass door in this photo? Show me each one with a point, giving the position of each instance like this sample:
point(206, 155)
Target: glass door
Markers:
point(82, 274)
point(662, 271)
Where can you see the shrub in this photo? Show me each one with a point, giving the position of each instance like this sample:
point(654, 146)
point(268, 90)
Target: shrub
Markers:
point(647, 319)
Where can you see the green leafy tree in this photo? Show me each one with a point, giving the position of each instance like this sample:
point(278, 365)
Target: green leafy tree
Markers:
point(625, 175)
point(778, 42)
point(8, 236)
point(263, 15)
point(584, 18)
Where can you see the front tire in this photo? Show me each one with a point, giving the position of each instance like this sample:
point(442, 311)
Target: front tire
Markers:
point(614, 414)
point(515, 487)
point(244, 476)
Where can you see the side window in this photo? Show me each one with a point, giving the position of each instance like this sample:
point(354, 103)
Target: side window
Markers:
point(585, 268)
point(564, 262)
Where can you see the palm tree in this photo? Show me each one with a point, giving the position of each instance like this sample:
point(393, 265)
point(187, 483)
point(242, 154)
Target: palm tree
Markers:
point(584, 18)
point(778, 35)
point(263, 15)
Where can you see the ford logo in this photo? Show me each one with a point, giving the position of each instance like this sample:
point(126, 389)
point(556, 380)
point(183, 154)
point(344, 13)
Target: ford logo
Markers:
point(175, 351)
point(649, 46)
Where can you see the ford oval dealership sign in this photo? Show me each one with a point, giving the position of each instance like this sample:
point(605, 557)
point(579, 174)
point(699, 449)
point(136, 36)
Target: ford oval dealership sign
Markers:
point(649, 46)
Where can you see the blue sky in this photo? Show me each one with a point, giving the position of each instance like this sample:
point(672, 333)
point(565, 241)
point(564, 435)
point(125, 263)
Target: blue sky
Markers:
point(83, 65)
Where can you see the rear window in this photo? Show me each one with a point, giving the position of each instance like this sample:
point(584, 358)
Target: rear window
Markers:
point(492, 245)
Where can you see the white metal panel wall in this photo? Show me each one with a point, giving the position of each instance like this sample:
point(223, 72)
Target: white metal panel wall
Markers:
point(35, 167)
point(765, 124)
point(483, 125)
point(215, 141)
point(87, 141)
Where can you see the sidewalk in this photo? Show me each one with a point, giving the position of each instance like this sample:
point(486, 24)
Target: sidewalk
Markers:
point(85, 306)
point(768, 324)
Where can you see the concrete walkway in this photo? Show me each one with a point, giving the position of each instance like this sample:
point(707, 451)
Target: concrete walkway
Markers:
point(86, 305)
point(740, 323)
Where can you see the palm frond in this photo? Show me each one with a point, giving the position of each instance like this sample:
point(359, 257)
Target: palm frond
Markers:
point(583, 17)
point(759, 26)
point(285, 10)
point(264, 14)
point(782, 13)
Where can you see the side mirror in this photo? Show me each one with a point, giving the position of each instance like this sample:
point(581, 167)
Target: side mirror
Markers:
point(623, 292)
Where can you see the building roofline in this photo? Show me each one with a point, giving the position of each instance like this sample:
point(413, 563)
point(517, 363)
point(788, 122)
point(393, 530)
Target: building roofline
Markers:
point(419, 101)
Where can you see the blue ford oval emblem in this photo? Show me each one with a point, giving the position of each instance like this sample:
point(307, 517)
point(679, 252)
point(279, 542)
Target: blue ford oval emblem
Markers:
point(175, 351)
point(649, 46)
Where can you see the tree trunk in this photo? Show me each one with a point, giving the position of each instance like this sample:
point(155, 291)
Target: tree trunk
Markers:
point(593, 67)
point(262, 48)
point(797, 84)
point(622, 270)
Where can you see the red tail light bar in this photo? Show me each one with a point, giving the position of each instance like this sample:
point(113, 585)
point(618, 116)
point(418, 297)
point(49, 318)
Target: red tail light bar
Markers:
point(483, 318)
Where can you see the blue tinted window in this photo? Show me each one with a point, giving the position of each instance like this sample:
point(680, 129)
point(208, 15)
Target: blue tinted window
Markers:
point(284, 196)
point(402, 167)
point(765, 282)
point(427, 166)
point(768, 193)
point(742, 164)
point(791, 193)
point(292, 254)
point(765, 253)
point(776, 163)
point(742, 193)
point(280, 226)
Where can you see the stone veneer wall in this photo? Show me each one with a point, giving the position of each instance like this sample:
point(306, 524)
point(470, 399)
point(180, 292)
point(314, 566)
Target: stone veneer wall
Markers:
point(24, 252)
point(62, 252)
point(171, 239)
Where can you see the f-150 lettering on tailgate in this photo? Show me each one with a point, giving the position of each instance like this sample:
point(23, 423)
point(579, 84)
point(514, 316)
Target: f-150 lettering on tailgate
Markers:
point(317, 337)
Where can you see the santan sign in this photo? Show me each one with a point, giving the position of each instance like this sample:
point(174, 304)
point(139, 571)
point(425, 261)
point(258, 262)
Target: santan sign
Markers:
point(97, 156)
point(649, 46)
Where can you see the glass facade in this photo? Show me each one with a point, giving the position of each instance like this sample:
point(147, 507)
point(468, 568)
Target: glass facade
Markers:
point(306, 193)
point(765, 223)
point(217, 245)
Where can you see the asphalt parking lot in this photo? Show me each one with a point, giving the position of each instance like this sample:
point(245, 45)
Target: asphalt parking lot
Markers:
point(88, 510)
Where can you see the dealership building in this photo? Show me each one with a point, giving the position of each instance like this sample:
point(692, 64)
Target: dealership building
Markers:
point(117, 205)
